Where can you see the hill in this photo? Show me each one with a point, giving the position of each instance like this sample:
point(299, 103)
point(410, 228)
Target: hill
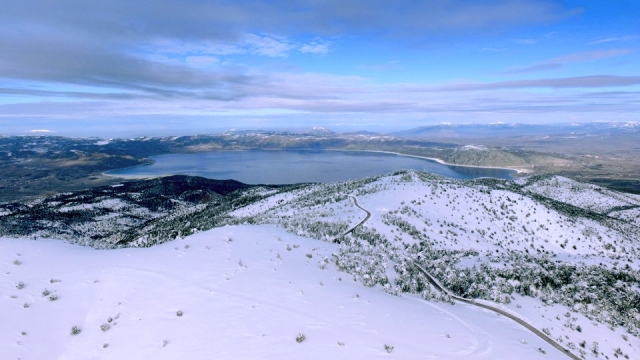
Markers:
point(559, 253)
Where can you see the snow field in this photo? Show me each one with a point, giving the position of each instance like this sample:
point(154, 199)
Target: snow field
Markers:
point(242, 294)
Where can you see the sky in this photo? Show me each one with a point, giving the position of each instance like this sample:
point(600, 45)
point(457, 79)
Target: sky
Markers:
point(178, 67)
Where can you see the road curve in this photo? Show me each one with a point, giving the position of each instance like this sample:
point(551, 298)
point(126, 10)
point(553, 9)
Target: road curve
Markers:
point(355, 201)
point(513, 317)
point(443, 289)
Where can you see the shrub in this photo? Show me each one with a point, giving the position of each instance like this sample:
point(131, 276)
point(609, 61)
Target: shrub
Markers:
point(105, 327)
point(20, 285)
point(300, 338)
point(388, 348)
point(75, 330)
point(179, 313)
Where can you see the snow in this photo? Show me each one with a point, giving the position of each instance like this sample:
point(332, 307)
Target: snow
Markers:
point(247, 291)
point(457, 215)
point(583, 195)
point(112, 204)
point(630, 215)
point(473, 147)
point(242, 294)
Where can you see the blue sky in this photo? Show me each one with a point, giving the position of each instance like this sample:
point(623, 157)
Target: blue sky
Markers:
point(160, 67)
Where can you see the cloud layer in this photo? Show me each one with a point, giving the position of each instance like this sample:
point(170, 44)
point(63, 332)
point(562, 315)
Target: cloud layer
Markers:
point(89, 59)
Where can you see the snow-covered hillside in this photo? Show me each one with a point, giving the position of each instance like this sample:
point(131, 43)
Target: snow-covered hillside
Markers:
point(236, 292)
point(583, 195)
point(570, 271)
point(308, 259)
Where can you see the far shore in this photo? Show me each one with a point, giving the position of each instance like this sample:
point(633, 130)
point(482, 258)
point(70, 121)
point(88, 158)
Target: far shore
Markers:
point(440, 161)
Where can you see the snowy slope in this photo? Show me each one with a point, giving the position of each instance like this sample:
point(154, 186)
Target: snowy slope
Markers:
point(562, 255)
point(583, 195)
point(472, 225)
point(242, 295)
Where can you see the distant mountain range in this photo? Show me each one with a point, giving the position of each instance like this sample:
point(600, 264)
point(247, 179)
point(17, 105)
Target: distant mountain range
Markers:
point(447, 130)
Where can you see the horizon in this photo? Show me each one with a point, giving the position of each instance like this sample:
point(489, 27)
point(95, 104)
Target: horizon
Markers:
point(302, 130)
point(169, 67)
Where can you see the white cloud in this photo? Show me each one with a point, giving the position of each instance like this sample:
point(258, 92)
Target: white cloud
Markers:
point(580, 57)
point(193, 47)
point(613, 39)
point(201, 55)
point(314, 48)
point(268, 45)
point(41, 131)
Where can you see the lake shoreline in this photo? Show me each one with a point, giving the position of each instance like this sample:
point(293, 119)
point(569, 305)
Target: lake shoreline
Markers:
point(237, 169)
point(440, 161)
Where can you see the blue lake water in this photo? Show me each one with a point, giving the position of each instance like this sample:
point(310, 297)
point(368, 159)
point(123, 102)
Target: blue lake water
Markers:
point(288, 167)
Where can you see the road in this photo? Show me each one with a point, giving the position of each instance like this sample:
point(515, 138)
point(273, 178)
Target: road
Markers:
point(513, 317)
point(355, 201)
point(442, 288)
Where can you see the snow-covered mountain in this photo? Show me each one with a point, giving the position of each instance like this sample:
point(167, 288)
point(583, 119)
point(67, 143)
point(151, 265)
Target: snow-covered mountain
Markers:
point(472, 130)
point(243, 274)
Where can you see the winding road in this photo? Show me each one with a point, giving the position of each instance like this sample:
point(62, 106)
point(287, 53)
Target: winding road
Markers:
point(513, 317)
point(355, 201)
point(443, 289)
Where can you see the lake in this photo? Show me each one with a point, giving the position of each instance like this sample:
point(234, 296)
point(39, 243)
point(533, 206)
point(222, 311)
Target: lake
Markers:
point(300, 166)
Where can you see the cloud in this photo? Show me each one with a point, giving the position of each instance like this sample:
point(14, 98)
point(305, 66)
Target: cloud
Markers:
point(41, 131)
point(172, 47)
point(268, 45)
point(595, 81)
point(580, 57)
point(314, 48)
point(613, 39)
point(323, 94)
point(590, 56)
point(120, 21)
point(579, 82)
point(84, 60)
